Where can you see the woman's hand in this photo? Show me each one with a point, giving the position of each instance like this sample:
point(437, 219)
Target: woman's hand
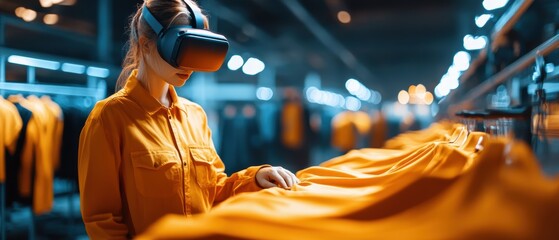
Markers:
point(268, 177)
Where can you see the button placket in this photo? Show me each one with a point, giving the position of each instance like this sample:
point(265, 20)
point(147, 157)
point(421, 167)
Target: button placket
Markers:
point(177, 144)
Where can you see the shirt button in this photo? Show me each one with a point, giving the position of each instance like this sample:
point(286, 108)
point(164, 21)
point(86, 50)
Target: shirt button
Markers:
point(184, 164)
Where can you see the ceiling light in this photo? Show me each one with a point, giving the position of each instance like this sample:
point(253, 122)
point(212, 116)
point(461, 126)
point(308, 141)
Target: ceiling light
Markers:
point(461, 60)
point(494, 4)
point(344, 17)
point(474, 43)
point(441, 90)
point(98, 72)
point(28, 15)
point(264, 93)
point(253, 66)
point(33, 62)
point(46, 3)
point(73, 68)
point(377, 97)
point(403, 97)
point(420, 90)
point(50, 19)
point(482, 20)
point(352, 104)
point(428, 98)
point(235, 62)
point(19, 11)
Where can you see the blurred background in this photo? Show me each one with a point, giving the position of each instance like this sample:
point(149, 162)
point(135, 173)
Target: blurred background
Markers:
point(303, 81)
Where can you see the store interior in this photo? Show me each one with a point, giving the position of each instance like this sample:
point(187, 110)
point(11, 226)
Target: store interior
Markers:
point(322, 88)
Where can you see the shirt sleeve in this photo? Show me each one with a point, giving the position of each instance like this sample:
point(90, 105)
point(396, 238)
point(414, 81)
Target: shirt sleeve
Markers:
point(227, 186)
point(241, 181)
point(100, 199)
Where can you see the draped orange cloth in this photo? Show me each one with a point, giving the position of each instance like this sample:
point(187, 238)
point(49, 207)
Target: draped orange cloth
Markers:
point(469, 188)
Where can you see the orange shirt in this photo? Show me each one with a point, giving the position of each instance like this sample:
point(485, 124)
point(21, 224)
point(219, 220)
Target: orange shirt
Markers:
point(139, 160)
point(292, 125)
point(10, 126)
point(57, 120)
point(347, 127)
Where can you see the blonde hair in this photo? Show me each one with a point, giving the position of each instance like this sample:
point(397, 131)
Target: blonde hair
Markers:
point(166, 12)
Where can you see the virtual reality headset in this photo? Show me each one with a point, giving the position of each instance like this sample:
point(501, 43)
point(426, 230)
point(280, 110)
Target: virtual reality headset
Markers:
point(189, 46)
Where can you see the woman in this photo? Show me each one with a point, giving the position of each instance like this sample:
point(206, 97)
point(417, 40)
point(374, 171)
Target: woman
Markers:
point(145, 152)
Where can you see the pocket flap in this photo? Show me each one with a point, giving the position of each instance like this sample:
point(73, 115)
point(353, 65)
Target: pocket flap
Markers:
point(154, 159)
point(201, 155)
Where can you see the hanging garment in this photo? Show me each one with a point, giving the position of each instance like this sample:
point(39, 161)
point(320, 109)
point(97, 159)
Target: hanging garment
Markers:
point(36, 175)
point(11, 124)
point(14, 161)
point(379, 130)
point(294, 135)
point(75, 117)
point(57, 120)
point(440, 191)
point(292, 122)
point(348, 128)
point(139, 161)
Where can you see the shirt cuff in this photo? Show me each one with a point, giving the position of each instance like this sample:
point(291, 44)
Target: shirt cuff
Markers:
point(251, 177)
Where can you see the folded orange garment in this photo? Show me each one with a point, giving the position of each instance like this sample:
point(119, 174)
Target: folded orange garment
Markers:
point(444, 192)
point(440, 131)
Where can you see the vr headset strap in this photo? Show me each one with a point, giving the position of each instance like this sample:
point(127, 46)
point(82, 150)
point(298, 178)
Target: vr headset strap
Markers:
point(152, 22)
point(197, 17)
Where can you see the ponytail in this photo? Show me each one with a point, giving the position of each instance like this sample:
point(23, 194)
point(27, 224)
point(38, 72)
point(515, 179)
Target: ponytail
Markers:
point(131, 60)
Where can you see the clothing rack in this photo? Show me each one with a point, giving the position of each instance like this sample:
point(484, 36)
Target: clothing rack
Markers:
point(504, 75)
point(501, 27)
point(96, 86)
point(510, 17)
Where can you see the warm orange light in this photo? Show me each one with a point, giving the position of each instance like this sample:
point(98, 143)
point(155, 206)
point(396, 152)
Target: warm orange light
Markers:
point(420, 91)
point(29, 15)
point(19, 11)
point(411, 89)
point(45, 3)
point(428, 98)
point(344, 17)
point(50, 19)
point(403, 97)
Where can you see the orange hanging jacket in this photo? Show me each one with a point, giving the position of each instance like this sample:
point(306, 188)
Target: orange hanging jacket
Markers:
point(10, 125)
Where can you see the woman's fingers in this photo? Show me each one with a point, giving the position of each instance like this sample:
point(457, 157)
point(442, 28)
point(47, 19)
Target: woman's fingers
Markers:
point(286, 176)
point(265, 183)
point(274, 175)
point(296, 180)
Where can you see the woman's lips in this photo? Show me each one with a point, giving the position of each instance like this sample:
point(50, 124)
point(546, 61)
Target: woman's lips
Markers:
point(183, 75)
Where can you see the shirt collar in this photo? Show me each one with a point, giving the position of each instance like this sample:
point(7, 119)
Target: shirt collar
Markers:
point(140, 95)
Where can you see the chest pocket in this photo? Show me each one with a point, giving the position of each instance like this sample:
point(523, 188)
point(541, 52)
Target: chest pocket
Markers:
point(202, 158)
point(157, 173)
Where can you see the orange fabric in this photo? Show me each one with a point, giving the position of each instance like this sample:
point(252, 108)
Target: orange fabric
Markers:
point(292, 125)
point(36, 156)
point(57, 119)
point(139, 161)
point(346, 128)
point(10, 124)
point(43, 192)
point(440, 190)
point(440, 131)
point(379, 130)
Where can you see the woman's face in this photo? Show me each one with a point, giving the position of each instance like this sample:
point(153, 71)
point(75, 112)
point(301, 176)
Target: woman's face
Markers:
point(174, 76)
